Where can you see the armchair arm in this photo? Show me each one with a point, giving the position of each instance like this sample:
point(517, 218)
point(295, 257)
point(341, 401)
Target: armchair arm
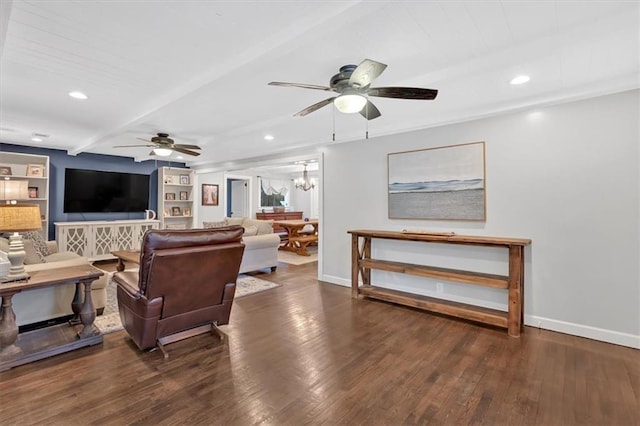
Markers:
point(128, 281)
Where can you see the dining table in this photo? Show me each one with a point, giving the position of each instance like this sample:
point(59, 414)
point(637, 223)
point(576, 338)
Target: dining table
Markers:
point(298, 239)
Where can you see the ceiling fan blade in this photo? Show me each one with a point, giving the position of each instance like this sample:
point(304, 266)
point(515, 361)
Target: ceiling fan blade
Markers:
point(365, 73)
point(146, 140)
point(130, 146)
point(403, 93)
point(185, 151)
point(186, 146)
point(303, 86)
point(314, 107)
point(370, 111)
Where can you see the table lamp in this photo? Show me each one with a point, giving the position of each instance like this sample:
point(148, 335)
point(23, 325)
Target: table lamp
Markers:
point(18, 218)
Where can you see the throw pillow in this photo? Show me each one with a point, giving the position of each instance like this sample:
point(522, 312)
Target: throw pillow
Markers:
point(32, 256)
point(250, 231)
point(264, 226)
point(234, 220)
point(218, 224)
point(38, 242)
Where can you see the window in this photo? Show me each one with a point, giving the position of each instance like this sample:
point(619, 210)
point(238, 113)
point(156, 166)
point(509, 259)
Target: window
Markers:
point(273, 193)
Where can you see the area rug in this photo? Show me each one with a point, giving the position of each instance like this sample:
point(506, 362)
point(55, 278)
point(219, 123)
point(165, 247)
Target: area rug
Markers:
point(109, 321)
point(294, 259)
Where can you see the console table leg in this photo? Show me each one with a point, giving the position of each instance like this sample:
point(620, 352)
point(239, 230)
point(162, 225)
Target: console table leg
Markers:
point(516, 278)
point(8, 327)
point(88, 313)
point(355, 267)
point(76, 305)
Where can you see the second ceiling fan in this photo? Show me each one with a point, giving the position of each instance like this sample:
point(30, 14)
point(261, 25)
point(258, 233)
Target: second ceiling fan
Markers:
point(163, 145)
point(353, 83)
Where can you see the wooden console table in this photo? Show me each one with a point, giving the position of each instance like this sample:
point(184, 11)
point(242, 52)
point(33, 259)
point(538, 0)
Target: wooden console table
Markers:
point(362, 264)
point(17, 349)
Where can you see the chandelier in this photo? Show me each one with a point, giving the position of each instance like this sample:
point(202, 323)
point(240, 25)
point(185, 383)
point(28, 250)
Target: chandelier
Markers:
point(304, 183)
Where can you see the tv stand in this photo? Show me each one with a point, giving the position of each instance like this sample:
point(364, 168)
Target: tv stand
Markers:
point(362, 263)
point(97, 239)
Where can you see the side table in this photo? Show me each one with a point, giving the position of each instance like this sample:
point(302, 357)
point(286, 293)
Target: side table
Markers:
point(17, 349)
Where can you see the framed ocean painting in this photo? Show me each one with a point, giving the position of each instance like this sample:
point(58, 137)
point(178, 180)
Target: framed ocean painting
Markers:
point(444, 183)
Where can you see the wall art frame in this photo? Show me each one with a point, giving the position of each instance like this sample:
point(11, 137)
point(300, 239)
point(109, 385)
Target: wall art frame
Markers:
point(442, 183)
point(210, 194)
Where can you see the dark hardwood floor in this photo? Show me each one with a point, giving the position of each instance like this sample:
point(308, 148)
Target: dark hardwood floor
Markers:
point(306, 353)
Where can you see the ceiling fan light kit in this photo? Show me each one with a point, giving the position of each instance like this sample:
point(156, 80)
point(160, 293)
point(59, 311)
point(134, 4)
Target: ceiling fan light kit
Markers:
point(162, 152)
point(349, 104)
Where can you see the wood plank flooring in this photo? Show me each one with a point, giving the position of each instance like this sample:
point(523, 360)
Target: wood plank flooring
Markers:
point(306, 353)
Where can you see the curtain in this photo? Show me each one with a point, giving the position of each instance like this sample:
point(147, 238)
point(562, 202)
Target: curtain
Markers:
point(274, 186)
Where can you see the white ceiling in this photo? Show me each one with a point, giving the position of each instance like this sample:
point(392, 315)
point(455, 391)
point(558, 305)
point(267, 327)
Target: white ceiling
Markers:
point(198, 70)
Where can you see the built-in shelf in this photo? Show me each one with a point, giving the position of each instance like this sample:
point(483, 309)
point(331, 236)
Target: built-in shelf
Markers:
point(178, 183)
point(19, 164)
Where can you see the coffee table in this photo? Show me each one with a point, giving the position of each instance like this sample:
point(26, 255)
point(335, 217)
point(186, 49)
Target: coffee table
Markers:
point(132, 256)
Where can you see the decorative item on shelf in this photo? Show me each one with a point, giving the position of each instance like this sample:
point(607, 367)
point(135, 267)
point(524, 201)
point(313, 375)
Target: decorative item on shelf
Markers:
point(169, 179)
point(175, 211)
point(33, 192)
point(149, 214)
point(13, 190)
point(170, 196)
point(5, 171)
point(18, 218)
point(167, 211)
point(209, 194)
point(184, 179)
point(186, 212)
point(184, 195)
point(35, 170)
point(304, 182)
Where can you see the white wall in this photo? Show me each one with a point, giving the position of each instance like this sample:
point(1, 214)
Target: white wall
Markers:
point(564, 176)
point(208, 213)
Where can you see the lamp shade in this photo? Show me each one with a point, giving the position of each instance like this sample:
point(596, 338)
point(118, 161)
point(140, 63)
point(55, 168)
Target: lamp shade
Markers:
point(14, 190)
point(20, 217)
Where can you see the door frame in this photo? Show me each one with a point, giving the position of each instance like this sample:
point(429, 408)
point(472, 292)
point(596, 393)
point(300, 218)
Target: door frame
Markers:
point(228, 178)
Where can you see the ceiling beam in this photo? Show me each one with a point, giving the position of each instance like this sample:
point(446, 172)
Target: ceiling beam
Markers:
point(293, 35)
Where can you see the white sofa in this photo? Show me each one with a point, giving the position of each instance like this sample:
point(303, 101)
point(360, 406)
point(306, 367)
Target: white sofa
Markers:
point(260, 242)
point(47, 303)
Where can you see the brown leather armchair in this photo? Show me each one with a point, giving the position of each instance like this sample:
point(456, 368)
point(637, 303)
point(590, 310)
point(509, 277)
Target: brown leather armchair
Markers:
point(185, 284)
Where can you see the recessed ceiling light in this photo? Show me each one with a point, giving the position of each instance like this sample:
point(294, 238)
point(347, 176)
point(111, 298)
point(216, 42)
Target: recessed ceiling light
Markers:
point(268, 137)
point(36, 139)
point(78, 95)
point(179, 157)
point(521, 79)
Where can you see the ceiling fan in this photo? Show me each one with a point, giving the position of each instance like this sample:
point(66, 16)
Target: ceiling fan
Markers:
point(163, 145)
point(353, 83)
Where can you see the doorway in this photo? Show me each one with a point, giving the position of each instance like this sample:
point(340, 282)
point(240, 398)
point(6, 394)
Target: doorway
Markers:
point(238, 197)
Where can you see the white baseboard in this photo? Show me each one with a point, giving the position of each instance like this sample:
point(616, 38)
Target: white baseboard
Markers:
point(595, 333)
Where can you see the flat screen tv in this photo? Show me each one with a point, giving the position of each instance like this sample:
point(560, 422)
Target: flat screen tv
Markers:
point(91, 191)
